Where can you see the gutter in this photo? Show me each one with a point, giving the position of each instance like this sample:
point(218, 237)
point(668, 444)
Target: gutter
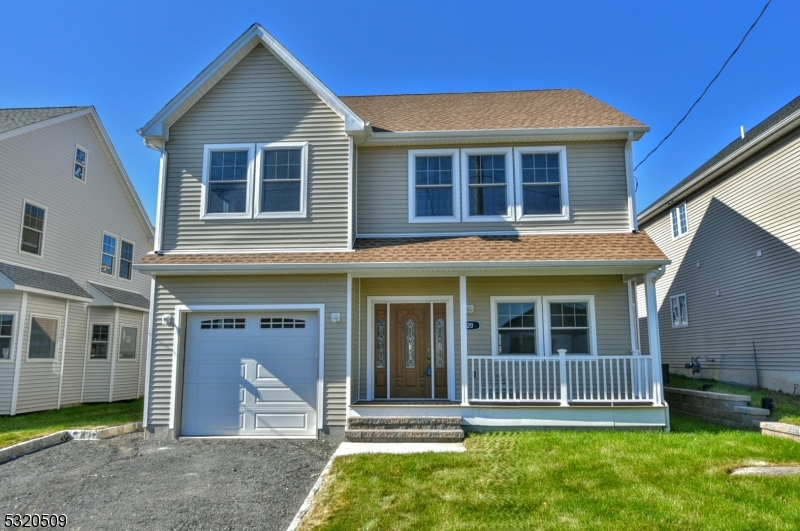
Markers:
point(631, 181)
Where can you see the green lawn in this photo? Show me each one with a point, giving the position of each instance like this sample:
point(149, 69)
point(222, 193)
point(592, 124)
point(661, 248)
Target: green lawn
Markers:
point(20, 428)
point(787, 407)
point(569, 480)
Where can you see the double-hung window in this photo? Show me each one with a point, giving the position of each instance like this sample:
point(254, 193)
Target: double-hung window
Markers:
point(42, 338)
point(569, 325)
point(79, 170)
point(680, 225)
point(126, 260)
point(227, 181)
point(680, 312)
point(109, 254)
point(6, 332)
point(281, 180)
point(433, 192)
point(541, 183)
point(99, 345)
point(487, 180)
point(32, 239)
point(517, 326)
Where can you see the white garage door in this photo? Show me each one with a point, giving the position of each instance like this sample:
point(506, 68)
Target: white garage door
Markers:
point(251, 375)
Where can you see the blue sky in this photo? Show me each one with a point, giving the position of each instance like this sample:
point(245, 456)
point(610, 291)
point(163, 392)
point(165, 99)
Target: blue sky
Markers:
point(648, 59)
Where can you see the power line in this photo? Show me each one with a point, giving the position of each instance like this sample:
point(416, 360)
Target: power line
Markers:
point(709, 85)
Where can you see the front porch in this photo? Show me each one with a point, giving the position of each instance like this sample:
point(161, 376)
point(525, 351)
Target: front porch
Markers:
point(524, 351)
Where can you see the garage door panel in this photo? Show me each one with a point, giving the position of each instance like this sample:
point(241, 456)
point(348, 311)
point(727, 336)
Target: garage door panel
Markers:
point(250, 381)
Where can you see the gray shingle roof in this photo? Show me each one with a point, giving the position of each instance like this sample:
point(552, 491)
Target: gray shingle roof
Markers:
point(122, 296)
point(33, 278)
point(16, 118)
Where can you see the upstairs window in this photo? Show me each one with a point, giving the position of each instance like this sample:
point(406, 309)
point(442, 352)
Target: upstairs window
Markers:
point(680, 225)
point(541, 180)
point(79, 170)
point(680, 312)
point(126, 260)
point(109, 255)
point(281, 180)
point(227, 179)
point(432, 185)
point(488, 184)
point(32, 229)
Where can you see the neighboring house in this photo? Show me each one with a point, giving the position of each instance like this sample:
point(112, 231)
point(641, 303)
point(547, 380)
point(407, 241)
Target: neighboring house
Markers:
point(320, 258)
point(731, 230)
point(73, 312)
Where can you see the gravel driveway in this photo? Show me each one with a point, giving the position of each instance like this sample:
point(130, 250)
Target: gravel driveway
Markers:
point(128, 483)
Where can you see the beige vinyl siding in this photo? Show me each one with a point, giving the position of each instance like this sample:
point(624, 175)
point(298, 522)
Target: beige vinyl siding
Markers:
point(410, 287)
point(753, 208)
point(330, 290)
point(126, 371)
point(38, 379)
point(259, 100)
point(74, 354)
point(610, 301)
point(9, 303)
point(598, 193)
point(97, 377)
point(37, 167)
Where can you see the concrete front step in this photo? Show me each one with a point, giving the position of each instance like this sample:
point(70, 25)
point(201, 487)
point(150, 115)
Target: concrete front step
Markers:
point(404, 435)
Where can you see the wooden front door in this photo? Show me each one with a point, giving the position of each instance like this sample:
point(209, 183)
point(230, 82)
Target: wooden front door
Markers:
point(410, 350)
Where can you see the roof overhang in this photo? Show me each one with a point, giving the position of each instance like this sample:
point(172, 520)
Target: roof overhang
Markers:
point(679, 193)
point(156, 131)
point(100, 299)
point(7, 285)
point(558, 134)
point(385, 269)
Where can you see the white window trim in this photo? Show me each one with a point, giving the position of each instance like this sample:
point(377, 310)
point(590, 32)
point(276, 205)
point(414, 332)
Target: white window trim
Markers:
point(677, 212)
point(14, 329)
point(562, 161)
point(115, 265)
point(135, 357)
point(412, 185)
point(22, 228)
point(207, 150)
point(672, 301)
point(56, 358)
point(111, 340)
point(133, 259)
point(268, 146)
point(591, 316)
point(75, 161)
point(508, 152)
point(493, 301)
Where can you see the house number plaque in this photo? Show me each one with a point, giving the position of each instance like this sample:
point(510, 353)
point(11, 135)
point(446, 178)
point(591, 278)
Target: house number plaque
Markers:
point(473, 325)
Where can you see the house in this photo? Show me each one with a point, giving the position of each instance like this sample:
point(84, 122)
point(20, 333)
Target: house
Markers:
point(73, 312)
point(324, 260)
point(731, 230)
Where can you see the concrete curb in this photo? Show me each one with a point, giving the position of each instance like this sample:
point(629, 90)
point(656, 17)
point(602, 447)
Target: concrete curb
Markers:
point(779, 429)
point(301, 513)
point(40, 443)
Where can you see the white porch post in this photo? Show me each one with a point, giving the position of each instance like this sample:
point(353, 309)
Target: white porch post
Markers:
point(349, 349)
point(653, 332)
point(462, 304)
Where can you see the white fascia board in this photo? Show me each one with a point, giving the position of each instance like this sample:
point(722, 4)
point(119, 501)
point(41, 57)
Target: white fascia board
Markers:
point(46, 123)
point(665, 201)
point(54, 294)
point(204, 269)
point(502, 134)
point(157, 129)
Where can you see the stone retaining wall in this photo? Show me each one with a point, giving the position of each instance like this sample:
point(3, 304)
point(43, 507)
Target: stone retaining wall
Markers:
point(718, 408)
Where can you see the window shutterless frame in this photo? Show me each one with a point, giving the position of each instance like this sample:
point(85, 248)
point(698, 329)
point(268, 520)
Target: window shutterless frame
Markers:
point(679, 310)
point(519, 185)
point(208, 149)
point(122, 336)
point(507, 153)
point(108, 341)
point(540, 329)
point(10, 336)
point(80, 163)
point(454, 186)
point(55, 357)
point(126, 260)
point(104, 253)
point(261, 149)
point(589, 300)
point(22, 228)
point(679, 221)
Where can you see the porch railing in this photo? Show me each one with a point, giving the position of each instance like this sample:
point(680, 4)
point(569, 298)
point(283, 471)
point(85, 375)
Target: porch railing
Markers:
point(565, 379)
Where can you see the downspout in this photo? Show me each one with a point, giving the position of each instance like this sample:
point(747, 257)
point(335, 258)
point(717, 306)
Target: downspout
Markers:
point(633, 221)
point(162, 185)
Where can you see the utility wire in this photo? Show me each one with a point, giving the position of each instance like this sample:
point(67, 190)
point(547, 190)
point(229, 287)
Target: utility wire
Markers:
point(709, 85)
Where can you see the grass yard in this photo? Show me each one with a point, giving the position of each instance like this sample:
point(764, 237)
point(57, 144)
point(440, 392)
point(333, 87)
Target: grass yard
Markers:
point(569, 480)
point(28, 426)
point(787, 407)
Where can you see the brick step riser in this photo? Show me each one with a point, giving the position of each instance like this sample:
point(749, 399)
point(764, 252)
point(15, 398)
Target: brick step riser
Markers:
point(404, 435)
point(405, 427)
point(407, 440)
point(404, 421)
